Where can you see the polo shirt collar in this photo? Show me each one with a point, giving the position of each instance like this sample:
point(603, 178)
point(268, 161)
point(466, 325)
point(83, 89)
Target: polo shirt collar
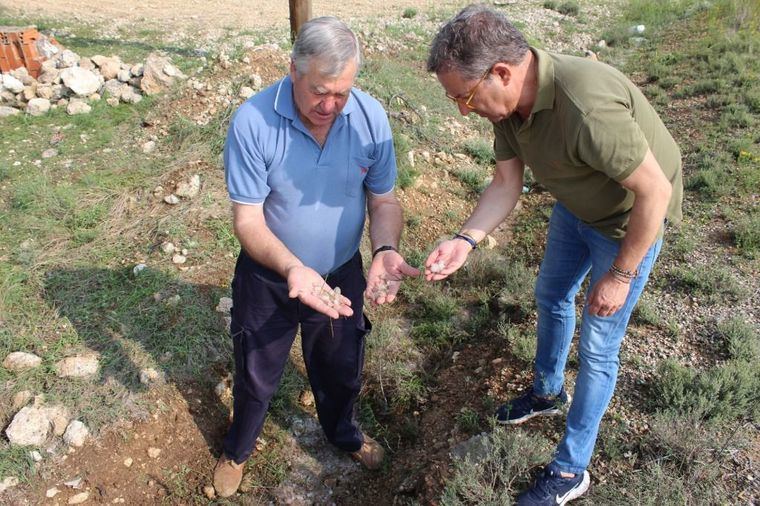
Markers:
point(285, 106)
point(545, 92)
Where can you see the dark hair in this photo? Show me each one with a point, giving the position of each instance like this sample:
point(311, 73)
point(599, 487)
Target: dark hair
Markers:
point(474, 40)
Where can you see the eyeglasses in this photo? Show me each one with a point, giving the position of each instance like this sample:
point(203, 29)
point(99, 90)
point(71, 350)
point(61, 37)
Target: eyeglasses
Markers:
point(471, 93)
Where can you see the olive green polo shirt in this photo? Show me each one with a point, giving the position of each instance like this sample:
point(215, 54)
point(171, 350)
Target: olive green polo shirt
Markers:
point(589, 128)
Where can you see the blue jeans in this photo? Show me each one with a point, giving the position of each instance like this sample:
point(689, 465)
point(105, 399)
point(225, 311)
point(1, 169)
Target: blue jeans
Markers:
point(572, 250)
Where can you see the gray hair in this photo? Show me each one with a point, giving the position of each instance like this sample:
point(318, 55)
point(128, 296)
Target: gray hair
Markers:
point(473, 41)
point(328, 41)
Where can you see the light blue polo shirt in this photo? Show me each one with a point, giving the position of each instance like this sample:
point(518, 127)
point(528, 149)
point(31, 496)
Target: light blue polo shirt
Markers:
point(313, 197)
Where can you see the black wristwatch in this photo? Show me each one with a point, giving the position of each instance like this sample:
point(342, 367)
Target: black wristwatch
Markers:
point(387, 247)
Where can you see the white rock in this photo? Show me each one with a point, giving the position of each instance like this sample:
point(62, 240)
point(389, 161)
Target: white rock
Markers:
point(148, 147)
point(224, 306)
point(59, 418)
point(6, 111)
point(256, 81)
point(36, 456)
point(137, 269)
point(79, 498)
point(112, 101)
point(8, 482)
point(246, 92)
point(20, 360)
point(82, 82)
point(124, 76)
point(30, 427)
point(50, 153)
point(76, 433)
point(154, 452)
point(168, 248)
point(136, 70)
point(171, 199)
point(12, 84)
point(158, 74)
point(179, 259)
point(110, 67)
point(114, 88)
point(68, 58)
point(76, 483)
point(21, 398)
point(78, 107)
point(128, 462)
point(45, 91)
point(130, 95)
point(79, 366)
point(149, 376)
point(190, 188)
point(52, 492)
point(38, 106)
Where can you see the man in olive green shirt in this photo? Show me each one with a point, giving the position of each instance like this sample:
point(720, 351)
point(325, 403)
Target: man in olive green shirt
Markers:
point(592, 139)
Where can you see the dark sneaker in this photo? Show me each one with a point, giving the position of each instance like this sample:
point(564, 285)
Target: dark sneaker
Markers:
point(551, 488)
point(529, 405)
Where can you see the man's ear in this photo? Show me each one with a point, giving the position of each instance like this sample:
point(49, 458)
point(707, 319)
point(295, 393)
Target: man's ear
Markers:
point(503, 72)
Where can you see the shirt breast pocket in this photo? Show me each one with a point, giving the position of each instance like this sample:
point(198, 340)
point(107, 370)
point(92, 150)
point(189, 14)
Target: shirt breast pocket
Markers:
point(358, 167)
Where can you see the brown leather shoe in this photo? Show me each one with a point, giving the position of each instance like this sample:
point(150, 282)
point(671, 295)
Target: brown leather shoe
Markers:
point(370, 455)
point(227, 476)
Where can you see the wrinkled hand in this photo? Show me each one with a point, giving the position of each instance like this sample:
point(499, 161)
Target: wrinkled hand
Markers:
point(446, 259)
point(384, 277)
point(607, 296)
point(306, 284)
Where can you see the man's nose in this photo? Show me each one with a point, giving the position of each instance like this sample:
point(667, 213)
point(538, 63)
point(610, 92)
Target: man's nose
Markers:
point(463, 109)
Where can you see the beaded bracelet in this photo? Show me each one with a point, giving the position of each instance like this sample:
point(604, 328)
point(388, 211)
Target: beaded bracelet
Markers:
point(629, 275)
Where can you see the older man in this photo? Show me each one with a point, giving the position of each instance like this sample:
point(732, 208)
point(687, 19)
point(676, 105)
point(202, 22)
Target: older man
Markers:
point(304, 159)
point(592, 139)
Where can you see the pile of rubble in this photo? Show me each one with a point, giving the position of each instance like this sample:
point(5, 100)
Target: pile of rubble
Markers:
point(70, 81)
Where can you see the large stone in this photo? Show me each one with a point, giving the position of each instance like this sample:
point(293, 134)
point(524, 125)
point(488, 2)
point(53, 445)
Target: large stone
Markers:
point(30, 427)
point(114, 88)
point(82, 82)
point(76, 433)
point(38, 106)
point(158, 74)
point(68, 58)
point(130, 95)
point(190, 188)
point(52, 76)
point(20, 360)
point(59, 418)
point(77, 107)
point(12, 84)
point(45, 91)
point(8, 482)
point(8, 111)
point(109, 67)
point(79, 366)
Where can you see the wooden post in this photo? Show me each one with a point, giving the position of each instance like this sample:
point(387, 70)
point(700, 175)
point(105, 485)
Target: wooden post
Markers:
point(300, 13)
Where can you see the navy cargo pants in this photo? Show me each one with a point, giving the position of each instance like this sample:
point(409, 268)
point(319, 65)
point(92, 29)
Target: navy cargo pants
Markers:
point(264, 325)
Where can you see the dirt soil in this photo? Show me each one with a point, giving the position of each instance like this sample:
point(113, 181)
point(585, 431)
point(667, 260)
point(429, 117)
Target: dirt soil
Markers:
point(217, 14)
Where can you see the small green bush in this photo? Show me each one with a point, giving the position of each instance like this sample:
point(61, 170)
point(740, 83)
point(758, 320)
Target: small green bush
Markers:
point(409, 13)
point(747, 234)
point(742, 339)
point(498, 471)
point(722, 393)
point(568, 8)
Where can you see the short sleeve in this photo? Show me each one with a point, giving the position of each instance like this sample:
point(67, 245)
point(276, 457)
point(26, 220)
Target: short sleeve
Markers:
point(610, 141)
point(501, 148)
point(381, 177)
point(244, 164)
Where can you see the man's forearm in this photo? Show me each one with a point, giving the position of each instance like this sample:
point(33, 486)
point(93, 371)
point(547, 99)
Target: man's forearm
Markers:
point(260, 243)
point(385, 222)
